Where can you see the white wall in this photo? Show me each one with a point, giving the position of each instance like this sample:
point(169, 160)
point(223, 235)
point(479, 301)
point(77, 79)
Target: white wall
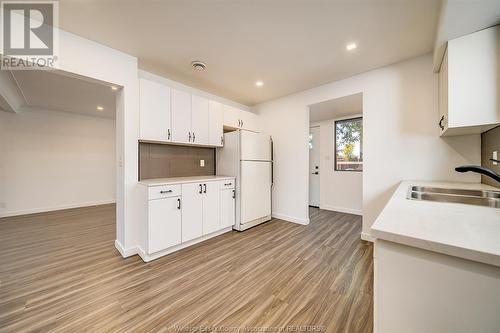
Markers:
point(55, 160)
point(401, 138)
point(341, 191)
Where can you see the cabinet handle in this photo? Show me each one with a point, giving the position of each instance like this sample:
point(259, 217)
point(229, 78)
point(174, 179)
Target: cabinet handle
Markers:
point(205, 186)
point(163, 192)
point(194, 137)
point(178, 203)
point(227, 184)
point(201, 189)
point(168, 134)
point(189, 136)
point(239, 122)
point(221, 140)
point(234, 194)
point(242, 123)
point(441, 123)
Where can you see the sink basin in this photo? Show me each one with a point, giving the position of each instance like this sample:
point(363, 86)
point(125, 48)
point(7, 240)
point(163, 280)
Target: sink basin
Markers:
point(486, 198)
point(472, 193)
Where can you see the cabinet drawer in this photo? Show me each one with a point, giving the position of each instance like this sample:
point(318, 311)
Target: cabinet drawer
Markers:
point(227, 184)
point(164, 191)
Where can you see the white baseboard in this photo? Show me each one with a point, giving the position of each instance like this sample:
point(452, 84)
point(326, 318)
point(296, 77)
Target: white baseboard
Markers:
point(123, 251)
point(367, 237)
point(148, 257)
point(292, 219)
point(54, 208)
point(342, 210)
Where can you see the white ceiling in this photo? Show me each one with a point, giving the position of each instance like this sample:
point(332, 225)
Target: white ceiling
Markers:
point(290, 45)
point(336, 108)
point(51, 90)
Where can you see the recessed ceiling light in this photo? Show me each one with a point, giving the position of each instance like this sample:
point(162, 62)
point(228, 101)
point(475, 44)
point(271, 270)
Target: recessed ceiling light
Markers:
point(259, 83)
point(198, 65)
point(114, 88)
point(351, 46)
point(100, 108)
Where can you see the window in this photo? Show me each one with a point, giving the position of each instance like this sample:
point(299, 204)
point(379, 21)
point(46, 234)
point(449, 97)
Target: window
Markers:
point(348, 144)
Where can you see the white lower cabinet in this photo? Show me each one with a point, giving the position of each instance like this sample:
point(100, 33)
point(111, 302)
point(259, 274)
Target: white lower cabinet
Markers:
point(179, 215)
point(164, 223)
point(211, 210)
point(192, 211)
point(227, 207)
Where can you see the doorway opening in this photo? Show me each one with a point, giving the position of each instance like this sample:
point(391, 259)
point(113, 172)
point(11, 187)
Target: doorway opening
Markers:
point(61, 142)
point(336, 154)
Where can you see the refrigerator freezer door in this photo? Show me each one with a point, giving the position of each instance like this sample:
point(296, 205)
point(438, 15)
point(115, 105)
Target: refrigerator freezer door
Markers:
point(255, 190)
point(255, 146)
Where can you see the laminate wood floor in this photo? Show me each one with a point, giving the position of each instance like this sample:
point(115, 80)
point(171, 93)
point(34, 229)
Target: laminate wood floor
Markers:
point(60, 272)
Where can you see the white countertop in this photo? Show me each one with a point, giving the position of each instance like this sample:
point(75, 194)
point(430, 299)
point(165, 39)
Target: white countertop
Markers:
point(465, 231)
point(180, 180)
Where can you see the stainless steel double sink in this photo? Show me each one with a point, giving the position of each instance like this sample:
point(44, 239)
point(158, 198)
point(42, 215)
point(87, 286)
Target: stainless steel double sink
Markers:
point(488, 198)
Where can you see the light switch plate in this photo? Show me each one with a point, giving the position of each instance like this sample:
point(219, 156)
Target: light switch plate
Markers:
point(495, 157)
point(202, 163)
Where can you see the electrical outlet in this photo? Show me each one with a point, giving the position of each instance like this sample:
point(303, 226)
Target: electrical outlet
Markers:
point(202, 163)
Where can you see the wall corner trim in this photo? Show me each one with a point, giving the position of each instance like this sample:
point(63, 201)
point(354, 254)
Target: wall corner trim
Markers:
point(289, 218)
point(125, 253)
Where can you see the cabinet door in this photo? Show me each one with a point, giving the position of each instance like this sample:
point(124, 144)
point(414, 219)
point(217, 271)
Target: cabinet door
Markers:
point(192, 211)
point(231, 116)
point(181, 116)
point(215, 121)
point(164, 223)
point(211, 207)
point(154, 111)
point(227, 208)
point(249, 121)
point(199, 120)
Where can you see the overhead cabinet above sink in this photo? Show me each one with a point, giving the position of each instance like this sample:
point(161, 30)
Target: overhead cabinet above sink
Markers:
point(469, 84)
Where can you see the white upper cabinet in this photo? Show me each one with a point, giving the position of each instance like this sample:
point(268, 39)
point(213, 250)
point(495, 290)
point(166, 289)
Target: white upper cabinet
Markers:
point(154, 111)
point(469, 84)
point(231, 116)
point(236, 118)
point(215, 121)
point(199, 120)
point(249, 121)
point(181, 116)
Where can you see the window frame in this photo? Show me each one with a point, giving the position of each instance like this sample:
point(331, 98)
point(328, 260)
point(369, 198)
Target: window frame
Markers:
point(335, 143)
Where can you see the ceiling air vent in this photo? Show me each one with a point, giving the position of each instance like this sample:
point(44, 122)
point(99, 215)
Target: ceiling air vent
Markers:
point(198, 65)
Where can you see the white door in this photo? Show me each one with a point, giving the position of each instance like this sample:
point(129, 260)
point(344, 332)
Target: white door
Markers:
point(215, 123)
point(231, 116)
point(227, 208)
point(164, 223)
point(255, 190)
point(192, 211)
point(211, 207)
point(255, 146)
point(249, 121)
point(199, 120)
point(154, 111)
point(314, 159)
point(181, 116)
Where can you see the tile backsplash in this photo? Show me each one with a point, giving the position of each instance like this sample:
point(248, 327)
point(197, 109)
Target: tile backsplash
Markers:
point(162, 161)
point(490, 142)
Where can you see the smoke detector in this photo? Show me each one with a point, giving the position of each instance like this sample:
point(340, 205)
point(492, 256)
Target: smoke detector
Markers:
point(199, 65)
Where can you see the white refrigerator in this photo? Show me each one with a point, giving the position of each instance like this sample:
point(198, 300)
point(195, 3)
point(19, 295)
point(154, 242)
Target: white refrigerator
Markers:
point(247, 156)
